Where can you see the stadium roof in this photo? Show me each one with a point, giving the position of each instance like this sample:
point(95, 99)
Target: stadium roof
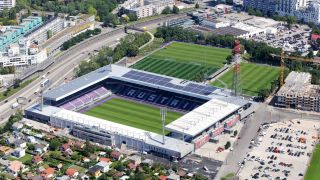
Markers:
point(115, 128)
point(148, 79)
point(201, 118)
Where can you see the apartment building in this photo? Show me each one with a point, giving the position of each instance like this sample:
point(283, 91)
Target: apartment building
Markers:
point(7, 4)
point(265, 6)
point(150, 7)
point(299, 93)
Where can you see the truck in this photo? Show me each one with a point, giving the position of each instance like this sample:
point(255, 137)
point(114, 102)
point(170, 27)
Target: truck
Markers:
point(14, 105)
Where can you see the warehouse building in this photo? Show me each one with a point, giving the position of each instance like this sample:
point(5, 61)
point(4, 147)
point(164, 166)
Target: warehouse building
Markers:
point(299, 93)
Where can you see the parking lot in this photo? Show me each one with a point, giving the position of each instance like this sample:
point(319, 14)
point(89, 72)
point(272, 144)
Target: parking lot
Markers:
point(280, 151)
point(292, 40)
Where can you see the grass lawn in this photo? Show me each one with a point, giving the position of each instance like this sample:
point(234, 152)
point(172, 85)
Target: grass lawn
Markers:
point(253, 78)
point(183, 60)
point(23, 159)
point(133, 114)
point(313, 172)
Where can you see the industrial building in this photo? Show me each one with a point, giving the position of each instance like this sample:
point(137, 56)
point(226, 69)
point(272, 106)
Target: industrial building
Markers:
point(7, 4)
point(12, 34)
point(209, 110)
point(299, 93)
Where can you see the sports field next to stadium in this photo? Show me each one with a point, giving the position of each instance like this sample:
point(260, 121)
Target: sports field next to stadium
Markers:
point(185, 61)
point(133, 114)
point(313, 172)
point(253, 78)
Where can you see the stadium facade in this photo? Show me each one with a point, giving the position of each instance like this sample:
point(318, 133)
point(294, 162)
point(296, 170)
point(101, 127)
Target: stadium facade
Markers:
point(208, 110)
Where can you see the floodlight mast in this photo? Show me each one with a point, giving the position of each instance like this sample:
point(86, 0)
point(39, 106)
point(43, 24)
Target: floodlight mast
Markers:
point(163, 112)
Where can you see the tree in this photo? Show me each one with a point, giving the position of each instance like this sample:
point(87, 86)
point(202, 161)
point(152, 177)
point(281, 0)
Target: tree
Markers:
point(227, 145)
point(197, 6)
point(235, 133)
point(132, 16)
point(92, 11)
point(229, 59)
point(16, 83)
point(229, 2)
point(175, 10)
point(166, 10)
point(12, 14)
point(290, 21)
point(132, 50)
point(310, 54)
point(110, 20)
point(54, 144)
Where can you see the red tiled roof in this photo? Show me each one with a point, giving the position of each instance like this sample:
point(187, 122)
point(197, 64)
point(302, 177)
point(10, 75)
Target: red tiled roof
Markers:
point(70, 172)
point(37, 159)
point(103, 159)
point(314, 37)
point(162, 177)
point(66, 146)
point(131, 166)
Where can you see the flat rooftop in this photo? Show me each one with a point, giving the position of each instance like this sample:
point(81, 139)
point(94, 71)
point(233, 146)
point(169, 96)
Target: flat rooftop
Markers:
point(115, 128)
point(233, 31)
point(203, 117)
point(148, 79)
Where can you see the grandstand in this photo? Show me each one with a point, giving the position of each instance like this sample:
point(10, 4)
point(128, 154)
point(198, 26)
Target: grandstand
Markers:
point(207, 110)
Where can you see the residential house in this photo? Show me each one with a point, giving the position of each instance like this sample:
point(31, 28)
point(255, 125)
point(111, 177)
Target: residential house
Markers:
point(64, 177)
point(173, 177)
point(18, 152)
point(95, 171)
point(37, 159)
point(85, 159)
point(10, 140)
point(162, 177)
point(125, 177)
point(79, 144)
point(66, 149)
point(40, 148)
point(93, 157)
point(20, 143)
point(48, 173)
point(116, 155)
point(17, 126)
point(147, 161)
point(15, 167)
point(72, 172)
point(132, 166)
point(135, 159)
point(83, 176)
point(105, 166)
point(104, 159)
point(182, 173)
point(6, 150)
point(31, 139)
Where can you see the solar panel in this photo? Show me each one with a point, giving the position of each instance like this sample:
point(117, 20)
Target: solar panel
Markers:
point(164, 81)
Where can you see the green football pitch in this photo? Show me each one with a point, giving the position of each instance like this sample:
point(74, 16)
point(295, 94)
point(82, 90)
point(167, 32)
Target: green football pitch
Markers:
point(253, 78)
point(185, 61)
point(313, 172)
point(133, 114)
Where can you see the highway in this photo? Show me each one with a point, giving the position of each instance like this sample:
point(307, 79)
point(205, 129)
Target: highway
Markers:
point(65, 63)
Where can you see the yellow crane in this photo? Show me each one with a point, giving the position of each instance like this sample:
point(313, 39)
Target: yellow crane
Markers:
point(283, 56)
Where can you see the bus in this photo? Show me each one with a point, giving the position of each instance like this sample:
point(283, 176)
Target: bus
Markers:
point(44, 83)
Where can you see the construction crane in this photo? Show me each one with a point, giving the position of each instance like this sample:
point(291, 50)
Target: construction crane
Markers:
point(283, 56)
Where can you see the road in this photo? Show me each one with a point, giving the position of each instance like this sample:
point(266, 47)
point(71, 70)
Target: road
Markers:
point(65, 63)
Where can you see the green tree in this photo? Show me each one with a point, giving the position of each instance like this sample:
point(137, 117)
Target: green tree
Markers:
point(229, 2)
point(12, 14)
point(290, 21)
point(227, 145)
point(175, 10)
point(310, 55)
point(132, 16)
point(54, 144)
point(92, 11)
point(166, 10)
point(197, 6)
point(235, 133)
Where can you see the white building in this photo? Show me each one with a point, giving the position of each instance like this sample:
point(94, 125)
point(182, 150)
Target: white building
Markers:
point(149, 7)
point(211, 23)
point(19, 152)
point(6, 79)
point(7, 4)
point(22, 54)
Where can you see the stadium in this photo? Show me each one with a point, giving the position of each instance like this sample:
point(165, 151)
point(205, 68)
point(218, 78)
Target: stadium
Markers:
point(120, 107)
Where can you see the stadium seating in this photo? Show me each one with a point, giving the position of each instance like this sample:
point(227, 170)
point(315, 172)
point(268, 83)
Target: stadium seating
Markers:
point(86, 98)
point(154, 96)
